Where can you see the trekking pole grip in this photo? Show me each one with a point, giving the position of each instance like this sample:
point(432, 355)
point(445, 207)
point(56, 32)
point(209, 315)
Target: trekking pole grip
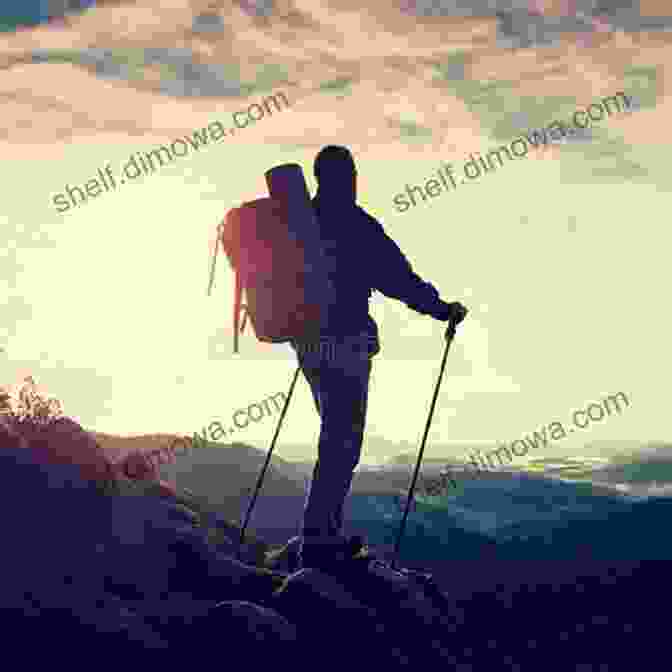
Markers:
point(450, 331)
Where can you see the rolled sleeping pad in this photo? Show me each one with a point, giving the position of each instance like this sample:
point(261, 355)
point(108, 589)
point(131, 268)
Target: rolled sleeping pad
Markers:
point(287, 186)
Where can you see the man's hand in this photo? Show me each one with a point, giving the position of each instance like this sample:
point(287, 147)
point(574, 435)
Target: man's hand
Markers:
point(455, 312)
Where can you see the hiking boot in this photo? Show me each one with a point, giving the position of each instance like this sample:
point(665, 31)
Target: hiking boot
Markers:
point(352, 554)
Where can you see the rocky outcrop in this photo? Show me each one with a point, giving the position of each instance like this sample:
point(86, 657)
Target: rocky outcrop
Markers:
point(138, 571)
point(137, 574)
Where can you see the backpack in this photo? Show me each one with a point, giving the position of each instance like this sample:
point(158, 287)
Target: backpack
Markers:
point(273, 246)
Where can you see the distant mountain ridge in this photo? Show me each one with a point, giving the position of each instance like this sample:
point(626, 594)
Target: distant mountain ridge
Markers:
point(225, 476)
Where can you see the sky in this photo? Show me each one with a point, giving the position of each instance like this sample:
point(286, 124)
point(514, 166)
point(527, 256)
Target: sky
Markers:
point(564, 278)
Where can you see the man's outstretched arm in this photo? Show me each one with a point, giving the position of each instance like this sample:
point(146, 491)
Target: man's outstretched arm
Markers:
point(393, 275)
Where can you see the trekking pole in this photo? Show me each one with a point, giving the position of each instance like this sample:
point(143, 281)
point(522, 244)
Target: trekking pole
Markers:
point(268, 459)
point(450, 333)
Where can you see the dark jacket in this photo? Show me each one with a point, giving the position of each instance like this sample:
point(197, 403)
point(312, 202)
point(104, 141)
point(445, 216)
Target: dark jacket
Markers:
point(361, 258)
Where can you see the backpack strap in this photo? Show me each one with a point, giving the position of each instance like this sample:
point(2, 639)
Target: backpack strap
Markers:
point(245, 314)
point(214, 257)
point(237, 306)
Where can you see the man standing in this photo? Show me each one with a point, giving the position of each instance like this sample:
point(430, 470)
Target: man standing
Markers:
point(360, 258)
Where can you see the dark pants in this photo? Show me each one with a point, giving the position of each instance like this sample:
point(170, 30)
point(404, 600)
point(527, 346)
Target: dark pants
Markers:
point(338, 374)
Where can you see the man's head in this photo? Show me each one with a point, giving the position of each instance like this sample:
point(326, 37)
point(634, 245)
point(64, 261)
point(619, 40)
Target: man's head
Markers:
point(335, 171)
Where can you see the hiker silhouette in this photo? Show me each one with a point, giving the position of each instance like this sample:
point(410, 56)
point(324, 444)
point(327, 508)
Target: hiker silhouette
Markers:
point(360, 258)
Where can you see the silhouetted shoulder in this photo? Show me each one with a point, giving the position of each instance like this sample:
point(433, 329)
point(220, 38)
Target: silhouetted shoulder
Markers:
point(370, 221)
